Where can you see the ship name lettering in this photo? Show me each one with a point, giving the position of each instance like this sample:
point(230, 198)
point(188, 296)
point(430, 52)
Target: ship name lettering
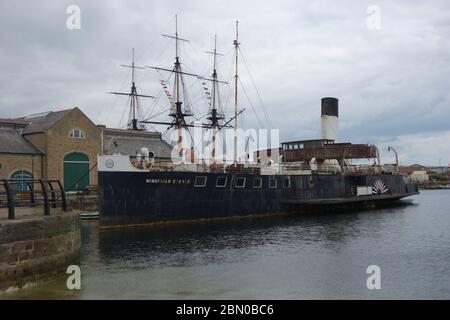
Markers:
point(168, 181)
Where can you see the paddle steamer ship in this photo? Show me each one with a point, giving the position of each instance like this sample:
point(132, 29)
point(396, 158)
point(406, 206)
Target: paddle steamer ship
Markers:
point(298, 176)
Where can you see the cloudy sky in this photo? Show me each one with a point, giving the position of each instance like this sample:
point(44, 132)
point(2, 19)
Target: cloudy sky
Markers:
point(388, 63)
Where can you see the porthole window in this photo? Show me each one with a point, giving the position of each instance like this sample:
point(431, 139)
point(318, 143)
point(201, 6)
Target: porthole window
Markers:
point(221, 182)
point(286, 182)
point(77, 134)
point(240, 182)
point(200, 181)
point(273, 182)
point(257, 182)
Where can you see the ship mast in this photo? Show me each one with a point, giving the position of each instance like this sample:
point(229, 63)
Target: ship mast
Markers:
point(134, 101)
point(214, 117)
point(236, 49)
point(177, 112)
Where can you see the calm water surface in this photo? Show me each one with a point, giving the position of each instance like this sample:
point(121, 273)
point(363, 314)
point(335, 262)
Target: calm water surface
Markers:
point(295, 257)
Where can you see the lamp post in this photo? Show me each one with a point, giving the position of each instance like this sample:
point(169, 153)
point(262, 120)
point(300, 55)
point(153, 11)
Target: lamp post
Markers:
point(396, 158)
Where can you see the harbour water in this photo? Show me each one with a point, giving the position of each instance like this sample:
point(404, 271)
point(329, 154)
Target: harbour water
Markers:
point(292, 257)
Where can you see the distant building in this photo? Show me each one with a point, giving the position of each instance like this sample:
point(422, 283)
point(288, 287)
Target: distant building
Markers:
point(415, 173)
point(419, 176)
point(64, 145)
point(439, 170)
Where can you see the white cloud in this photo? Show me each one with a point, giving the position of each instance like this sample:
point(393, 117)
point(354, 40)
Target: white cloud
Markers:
point(427, 149)
point(391, 82)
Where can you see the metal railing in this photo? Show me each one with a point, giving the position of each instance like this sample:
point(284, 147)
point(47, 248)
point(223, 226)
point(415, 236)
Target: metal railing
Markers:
point(15, 193)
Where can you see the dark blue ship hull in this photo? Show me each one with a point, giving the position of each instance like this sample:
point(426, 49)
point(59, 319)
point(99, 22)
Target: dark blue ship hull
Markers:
point(134, 198)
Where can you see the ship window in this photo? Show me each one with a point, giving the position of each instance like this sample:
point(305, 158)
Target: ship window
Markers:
point(240, 182)
point(273, 182)
point(286, 182)
point(221, 182)
point(77, 134)
point(257, 182)
point(200, 181)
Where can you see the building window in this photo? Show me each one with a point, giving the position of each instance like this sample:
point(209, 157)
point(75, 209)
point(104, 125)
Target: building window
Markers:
point(221, 182)
point(257, 182)
point(286, 182)
point(200, 181)
point(21, 176)
point(240, 182)
point(77, 134)
point(272, 182)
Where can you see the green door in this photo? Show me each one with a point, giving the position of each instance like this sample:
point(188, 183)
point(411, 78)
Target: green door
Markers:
point(76, 171)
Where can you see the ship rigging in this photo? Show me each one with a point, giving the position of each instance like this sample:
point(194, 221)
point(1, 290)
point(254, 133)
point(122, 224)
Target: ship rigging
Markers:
point(135, 105)
point(180, 107)
point(179, 113)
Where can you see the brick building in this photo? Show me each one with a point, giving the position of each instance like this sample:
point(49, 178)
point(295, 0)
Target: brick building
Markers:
point(67, 142)
point(19, 158)
point(64, 145)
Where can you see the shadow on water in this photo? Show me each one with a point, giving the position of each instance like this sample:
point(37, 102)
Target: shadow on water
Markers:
point(209, 242)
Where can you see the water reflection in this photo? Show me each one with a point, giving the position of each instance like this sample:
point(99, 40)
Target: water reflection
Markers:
point(238, 240)
point(291, 257)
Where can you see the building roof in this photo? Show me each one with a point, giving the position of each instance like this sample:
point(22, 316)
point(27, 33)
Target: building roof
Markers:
point(130, 142)
point(308, 141)
point(11, 141)
point(41, 121)
point(416, 166)
point(13, 122)
point(130, 132)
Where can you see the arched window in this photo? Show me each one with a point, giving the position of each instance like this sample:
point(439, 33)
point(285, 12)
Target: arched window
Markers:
point(77, 134)
point(22, 175)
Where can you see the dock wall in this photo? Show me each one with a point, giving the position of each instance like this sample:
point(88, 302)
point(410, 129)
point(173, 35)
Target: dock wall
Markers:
point(37, 248)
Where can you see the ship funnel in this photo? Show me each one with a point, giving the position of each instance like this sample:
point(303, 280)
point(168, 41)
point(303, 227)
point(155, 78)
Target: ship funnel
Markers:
point(329, 119)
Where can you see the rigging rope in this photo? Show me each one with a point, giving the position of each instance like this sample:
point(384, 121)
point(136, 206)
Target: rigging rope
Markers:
point(251, 104)
point(269, 122)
